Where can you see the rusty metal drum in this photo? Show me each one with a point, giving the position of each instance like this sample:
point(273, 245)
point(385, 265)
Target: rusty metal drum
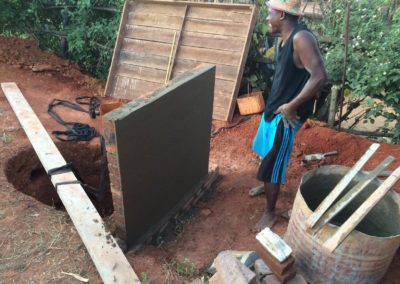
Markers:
point(365, 255)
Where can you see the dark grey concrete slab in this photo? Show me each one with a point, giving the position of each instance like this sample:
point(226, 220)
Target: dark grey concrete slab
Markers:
point(163, 144)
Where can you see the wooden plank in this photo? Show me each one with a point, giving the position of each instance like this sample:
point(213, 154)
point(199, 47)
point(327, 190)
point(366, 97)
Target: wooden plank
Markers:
point(155, 20)
point(240, 7)
point(333, 242)
point(345, 200)
point(117, 47)
point(108, 258)
point(344, 182)
point(146, 47)
point(214, 27)
point(130, 88)
point(222, 15)
point(155, 34)
point(242, 63)
point(209, 41)
point(219, 39)
point(159, 8)
point(144, 60)
point(140, 73)
point(175, 46)
point(274, 244)
point(209, 56)
point(225, 72)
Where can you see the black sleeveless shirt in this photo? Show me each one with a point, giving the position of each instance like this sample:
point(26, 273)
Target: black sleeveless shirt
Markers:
point(288, 81)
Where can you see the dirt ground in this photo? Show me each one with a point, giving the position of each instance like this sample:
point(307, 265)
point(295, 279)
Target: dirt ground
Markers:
point(38, 241)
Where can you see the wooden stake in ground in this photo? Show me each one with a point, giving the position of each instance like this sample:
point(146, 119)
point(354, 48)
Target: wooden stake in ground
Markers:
point(332, 243)
point(108, 258)
point(344, 182)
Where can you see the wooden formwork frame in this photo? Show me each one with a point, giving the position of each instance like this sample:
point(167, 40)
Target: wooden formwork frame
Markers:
point(226, 89)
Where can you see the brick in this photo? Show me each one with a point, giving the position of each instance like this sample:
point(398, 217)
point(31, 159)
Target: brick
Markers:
point(288, 275)
point(288, 278)
point(276, 266)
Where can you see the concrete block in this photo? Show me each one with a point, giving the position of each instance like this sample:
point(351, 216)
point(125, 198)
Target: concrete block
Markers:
point(245, 257)
point(161, 145)
point(276, 266)
point(274, 244)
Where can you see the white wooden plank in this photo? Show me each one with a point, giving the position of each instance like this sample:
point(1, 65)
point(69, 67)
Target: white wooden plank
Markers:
point(274, 244)
point(344, 182)
point(108, 258)
point(357, 189)
point(347, 227)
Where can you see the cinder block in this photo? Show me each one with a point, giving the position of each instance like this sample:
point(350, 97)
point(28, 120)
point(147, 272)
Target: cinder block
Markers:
point(231, 270)
point(276, 266)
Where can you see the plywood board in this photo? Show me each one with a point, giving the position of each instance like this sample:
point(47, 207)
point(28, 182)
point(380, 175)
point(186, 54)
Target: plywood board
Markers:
point(206, 33)
point(162, 144)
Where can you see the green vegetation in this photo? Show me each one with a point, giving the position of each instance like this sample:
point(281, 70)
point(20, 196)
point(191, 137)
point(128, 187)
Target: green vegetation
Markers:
point(373, 69)
point(89, 27)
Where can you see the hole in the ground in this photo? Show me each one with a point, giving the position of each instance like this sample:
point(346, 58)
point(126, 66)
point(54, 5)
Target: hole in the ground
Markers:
point(25, 172)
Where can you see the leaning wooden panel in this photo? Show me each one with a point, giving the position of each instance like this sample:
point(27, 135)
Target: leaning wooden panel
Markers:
point(108, 258)
point(206, 33)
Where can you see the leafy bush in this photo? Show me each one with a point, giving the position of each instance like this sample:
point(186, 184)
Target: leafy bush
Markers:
point(373, 69)
point(90, 32)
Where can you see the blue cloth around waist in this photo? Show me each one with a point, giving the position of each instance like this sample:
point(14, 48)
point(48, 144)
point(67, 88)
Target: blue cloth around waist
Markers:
point(265, 137)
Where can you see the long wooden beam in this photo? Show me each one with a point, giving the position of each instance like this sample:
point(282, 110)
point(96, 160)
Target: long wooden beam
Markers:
point(108, 258)
point(351, 194)
point(332, 243)
point(343, 183)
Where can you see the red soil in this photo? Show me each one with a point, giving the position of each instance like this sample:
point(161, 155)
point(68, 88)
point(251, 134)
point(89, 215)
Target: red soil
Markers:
point(37, 242)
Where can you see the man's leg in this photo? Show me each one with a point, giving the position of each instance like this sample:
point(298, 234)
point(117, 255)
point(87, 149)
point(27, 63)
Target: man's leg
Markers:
point(269, 217)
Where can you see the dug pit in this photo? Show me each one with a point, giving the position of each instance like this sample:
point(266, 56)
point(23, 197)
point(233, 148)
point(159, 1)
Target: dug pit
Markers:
point(25, 172)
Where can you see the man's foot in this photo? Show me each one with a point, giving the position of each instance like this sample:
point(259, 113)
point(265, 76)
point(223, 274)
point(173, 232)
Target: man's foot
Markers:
point(256, 190)
point(268, 219)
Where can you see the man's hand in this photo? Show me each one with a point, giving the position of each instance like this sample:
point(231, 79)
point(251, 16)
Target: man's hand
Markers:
point(289, 115)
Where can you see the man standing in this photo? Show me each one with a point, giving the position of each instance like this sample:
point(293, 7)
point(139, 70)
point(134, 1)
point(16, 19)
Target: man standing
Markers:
point(299, 76)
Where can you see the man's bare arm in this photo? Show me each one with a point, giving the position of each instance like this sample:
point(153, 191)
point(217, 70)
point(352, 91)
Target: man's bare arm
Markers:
point(306, 55)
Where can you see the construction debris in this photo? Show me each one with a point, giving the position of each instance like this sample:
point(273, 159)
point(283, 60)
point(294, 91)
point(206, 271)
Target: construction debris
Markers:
point(319, 156)
point(230, 270)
